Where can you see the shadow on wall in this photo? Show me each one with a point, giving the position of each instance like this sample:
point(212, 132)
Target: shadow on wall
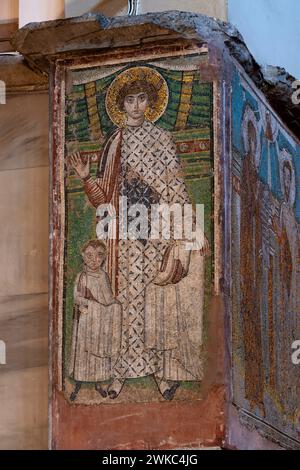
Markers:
point(106, 7)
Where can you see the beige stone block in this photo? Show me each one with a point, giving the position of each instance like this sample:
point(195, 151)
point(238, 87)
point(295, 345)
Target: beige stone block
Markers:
point(24, 131)
point(24, 231)
point(24, 329)
point(24, 409)
point(215, 8)
point(9, 10)
point(106, 7)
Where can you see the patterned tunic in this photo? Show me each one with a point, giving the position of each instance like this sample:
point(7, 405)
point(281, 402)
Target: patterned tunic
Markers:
point(150, 174)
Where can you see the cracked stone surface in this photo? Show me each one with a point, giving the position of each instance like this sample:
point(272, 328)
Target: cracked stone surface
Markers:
point(42, 42)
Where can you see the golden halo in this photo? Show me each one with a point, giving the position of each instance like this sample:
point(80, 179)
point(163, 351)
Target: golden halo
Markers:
point(146, 74)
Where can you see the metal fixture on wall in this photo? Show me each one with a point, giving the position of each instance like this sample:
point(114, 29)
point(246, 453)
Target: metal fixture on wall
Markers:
point(133, 7)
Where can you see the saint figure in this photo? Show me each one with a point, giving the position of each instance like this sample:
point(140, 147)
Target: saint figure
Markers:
point(251, 274)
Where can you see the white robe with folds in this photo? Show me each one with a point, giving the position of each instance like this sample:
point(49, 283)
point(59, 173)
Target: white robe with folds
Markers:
point(173, 323)
point(96, 337)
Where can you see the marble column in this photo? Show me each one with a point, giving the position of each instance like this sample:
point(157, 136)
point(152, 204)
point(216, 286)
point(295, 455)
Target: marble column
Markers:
point(9, 11)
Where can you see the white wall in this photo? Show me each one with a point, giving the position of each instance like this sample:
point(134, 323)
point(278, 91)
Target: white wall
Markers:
point(271, 29)
point(37, 10)
point(78, 7)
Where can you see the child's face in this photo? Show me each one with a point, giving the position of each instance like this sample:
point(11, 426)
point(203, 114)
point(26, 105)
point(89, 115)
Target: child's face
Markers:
point(94, 257)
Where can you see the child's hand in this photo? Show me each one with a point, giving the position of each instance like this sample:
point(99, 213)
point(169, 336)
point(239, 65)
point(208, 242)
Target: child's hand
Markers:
point(83, 311)
point(82, 301)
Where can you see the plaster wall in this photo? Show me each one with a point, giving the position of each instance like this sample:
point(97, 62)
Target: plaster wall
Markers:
point(270, 29)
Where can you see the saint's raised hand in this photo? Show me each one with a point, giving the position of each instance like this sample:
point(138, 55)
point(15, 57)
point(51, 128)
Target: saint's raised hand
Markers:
point(81, 167)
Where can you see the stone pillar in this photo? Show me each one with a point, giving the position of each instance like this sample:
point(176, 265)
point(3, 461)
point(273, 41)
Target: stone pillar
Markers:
point(8, 11)
point(180, 80)
point(24, 178)
point(35, 10)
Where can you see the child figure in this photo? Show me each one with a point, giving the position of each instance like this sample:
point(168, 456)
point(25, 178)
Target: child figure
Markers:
point(97, 322)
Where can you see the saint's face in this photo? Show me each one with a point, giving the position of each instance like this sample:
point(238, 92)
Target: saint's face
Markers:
point(252, 142)
point(287, 180)
point(252, 146)
point(135, 105)
point(93, 258)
